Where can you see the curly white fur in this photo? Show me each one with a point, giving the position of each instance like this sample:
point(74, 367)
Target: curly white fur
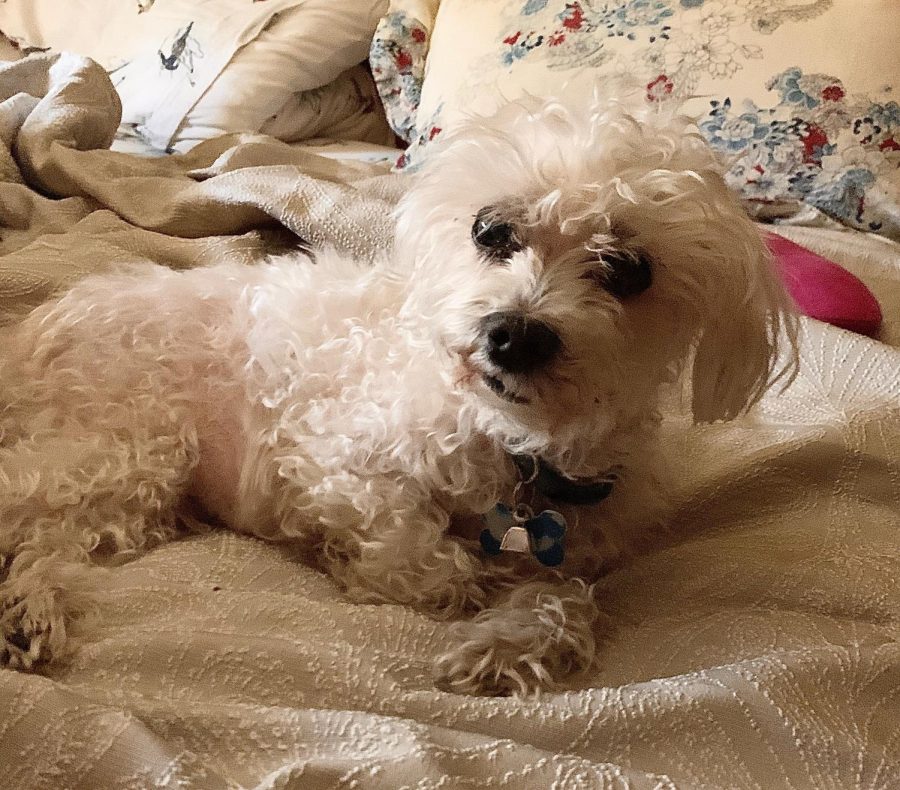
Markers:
point(347, 409)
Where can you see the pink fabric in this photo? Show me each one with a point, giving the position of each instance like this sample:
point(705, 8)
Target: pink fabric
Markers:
point(823, 290)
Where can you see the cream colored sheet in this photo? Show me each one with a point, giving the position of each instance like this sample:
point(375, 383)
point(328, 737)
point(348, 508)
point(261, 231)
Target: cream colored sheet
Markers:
point(757, 648)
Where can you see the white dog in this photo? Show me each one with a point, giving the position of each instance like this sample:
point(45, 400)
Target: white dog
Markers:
point(553, 268)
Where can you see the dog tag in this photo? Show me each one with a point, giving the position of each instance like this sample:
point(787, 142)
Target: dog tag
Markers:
point(543, 535)
point(496, 524)
point(516, 539)
point(547, 534)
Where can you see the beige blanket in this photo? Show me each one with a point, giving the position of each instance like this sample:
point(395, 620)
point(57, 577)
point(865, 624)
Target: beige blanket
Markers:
point(758, 648)
point(59, 114)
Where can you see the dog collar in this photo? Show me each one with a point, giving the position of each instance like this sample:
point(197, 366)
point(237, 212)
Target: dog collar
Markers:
point(555, 486)
point(518, 529)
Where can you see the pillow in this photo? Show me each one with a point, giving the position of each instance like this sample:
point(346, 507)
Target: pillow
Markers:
point(397, 57)
point(823, 290)
point(346, 109)
point(304, 49)
point(796, 95)
point(188, 70)
point(8, 51)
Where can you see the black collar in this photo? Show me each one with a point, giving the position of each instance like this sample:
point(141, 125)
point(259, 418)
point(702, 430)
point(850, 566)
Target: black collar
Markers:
point(556, 487)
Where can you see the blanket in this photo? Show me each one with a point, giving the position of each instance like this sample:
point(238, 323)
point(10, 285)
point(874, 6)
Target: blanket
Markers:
point(758, 646)
point(60, 186)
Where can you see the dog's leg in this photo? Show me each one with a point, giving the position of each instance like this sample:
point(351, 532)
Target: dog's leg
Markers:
point(537, 635)
point(400, 553)
point(429, 572)
point(67, 503)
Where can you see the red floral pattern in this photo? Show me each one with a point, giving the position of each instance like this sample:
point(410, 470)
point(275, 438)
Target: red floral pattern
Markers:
point(660, 88)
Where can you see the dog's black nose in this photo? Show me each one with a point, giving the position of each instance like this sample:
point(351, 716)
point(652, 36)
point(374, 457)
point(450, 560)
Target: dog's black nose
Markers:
point(518, 344)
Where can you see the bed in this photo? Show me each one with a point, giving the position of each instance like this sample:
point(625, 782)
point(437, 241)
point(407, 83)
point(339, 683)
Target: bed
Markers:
point(758, 646)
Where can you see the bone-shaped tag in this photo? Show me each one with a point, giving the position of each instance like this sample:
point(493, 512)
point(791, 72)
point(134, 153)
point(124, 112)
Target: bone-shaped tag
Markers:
point(544, 535)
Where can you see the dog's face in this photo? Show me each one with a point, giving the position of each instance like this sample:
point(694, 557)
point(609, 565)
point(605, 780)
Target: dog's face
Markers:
point(569, 261)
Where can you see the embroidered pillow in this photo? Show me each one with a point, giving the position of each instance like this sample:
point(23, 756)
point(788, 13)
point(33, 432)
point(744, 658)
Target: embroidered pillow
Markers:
point(799, 97)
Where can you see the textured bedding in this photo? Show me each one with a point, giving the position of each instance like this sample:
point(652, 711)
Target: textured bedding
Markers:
point(757, 647)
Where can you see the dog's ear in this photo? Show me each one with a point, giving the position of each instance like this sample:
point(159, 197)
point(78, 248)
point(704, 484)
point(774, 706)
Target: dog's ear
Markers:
point(749, 341)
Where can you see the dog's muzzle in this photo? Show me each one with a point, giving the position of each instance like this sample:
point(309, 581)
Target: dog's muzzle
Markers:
point(518, 344)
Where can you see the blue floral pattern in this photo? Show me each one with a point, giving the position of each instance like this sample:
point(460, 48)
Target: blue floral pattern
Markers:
point(576, 32)
point(814, 141)
point(397, 58)
point(816, 144)
point(409, 160)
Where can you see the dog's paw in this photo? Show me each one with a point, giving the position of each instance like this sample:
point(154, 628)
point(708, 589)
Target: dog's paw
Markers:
point(33, 630)
point(499, 655)
point(484, 670)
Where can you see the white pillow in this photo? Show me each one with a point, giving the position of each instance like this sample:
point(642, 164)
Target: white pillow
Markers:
point(346, 109)
point(193, 69)
point(303, 49)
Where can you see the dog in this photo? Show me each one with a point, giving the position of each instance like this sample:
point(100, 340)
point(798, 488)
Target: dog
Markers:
point(468, 426)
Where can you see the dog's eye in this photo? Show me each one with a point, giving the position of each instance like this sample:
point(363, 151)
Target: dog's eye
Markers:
point(623, 273)
point(494, 236)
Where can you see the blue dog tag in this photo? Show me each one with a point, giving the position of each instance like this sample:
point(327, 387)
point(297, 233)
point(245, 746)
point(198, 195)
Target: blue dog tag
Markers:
point(497, 523)
point(546, 534)
point(547, 531)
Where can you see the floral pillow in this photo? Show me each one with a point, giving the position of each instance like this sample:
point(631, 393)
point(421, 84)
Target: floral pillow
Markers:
point(397, 58)
point(797, 95)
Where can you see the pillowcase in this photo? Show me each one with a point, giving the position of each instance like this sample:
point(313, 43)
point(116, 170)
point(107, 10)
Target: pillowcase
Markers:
point(188, 70)
point(796, 96)
point(397, 58)
point(346, 109)
point(303, 49)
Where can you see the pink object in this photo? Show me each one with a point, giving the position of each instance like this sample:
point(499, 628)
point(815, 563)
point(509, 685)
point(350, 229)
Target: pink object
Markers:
point(823, 290)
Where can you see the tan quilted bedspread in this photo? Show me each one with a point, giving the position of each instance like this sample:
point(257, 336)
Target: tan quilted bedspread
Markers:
point(757, 649)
